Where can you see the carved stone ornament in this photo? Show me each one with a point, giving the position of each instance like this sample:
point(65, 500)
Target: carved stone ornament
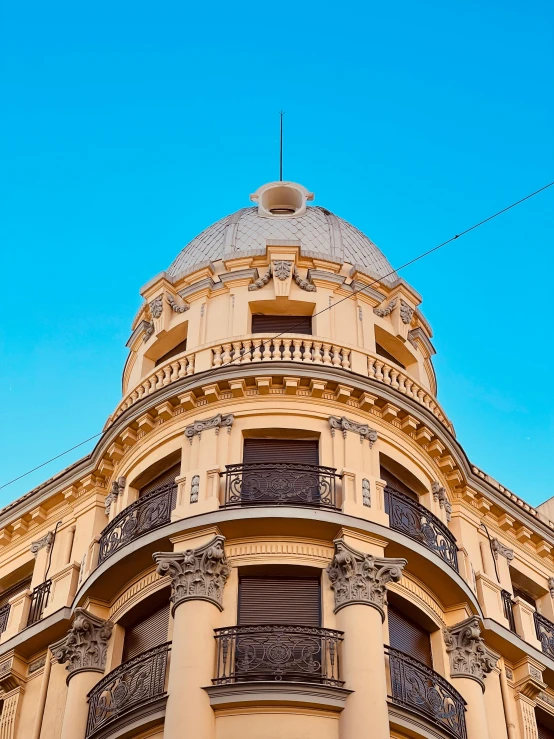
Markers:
point(175, 307)
point(551, 586)
point(439, 494)
point(366, 493)
point(196, 574)
point(469, 657)
point(358, 578)
point(382, 312)
point(156, 306)
point(302, 283)
point(194, 489)
point(216, 422)
point(44, 542)
point(499, 549)
point(282, 268)
point(261, 281)
point(406, 312)
point(148, 331)
point(345, 424)
point(86, 644)
point(118, 486)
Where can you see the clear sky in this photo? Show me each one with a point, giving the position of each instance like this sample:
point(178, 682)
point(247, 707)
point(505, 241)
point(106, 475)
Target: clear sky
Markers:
point(127, 128)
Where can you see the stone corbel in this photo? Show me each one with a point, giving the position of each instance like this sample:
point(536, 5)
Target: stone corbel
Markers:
point(345, 424)
point(44, 542)
point(85, 646)
point(500, 549)
point(469, 657)
point(118, 486)
point(439, 494)
point(215, 422)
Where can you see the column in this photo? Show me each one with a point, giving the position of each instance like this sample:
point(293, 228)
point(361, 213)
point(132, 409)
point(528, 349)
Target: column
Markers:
point(470, 662)
point(360, 580)
point(84, 648)
point(198, 577)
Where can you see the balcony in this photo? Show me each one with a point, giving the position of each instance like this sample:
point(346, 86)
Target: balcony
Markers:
point(4, 616)
point(421, 691)
point(545, 634)
point(146, 514)
point(136, 687)
point(280, 483)
point(278, 653)
point(411, 518)
point(39, 601)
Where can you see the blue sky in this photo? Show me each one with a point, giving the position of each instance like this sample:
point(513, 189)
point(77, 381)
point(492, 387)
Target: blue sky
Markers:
point(127, 128)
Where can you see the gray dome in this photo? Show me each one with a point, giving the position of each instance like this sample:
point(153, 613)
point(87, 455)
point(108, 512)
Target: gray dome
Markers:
point(318, 232)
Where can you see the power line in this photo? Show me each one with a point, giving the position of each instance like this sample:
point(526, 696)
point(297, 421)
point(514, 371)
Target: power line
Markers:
point(347, 297)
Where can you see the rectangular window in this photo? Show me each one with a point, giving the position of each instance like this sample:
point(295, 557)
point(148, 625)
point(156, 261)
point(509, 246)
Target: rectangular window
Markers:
point(165, 478)
point(291, 601)
point(382, 352)
point(396, 484)
point(177, 349)
point(148, 632)
point(409, 637)
point(281, 450)
point(274, 325)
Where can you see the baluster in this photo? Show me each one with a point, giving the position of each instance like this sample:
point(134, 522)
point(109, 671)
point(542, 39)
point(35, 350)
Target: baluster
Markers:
point(386, 374)
point(402, 383)
point(267, 350)
point(226, 358)
point(346, 358)
point(336, 356)
point(257, 355)
point(174, 371)
point(317, 352)
point(409, 387)
point(237, 359)
point(182, 367)
point(276, 355)
point(216, 361)
point(394, 374)
point(286, 352)
point(308, 350)
point(166, 379)
point(371, 367)
point(326, 353)
point(247, 351)
point(379, 370)
point(420, 395)
point(190, 364)
point(297, 356)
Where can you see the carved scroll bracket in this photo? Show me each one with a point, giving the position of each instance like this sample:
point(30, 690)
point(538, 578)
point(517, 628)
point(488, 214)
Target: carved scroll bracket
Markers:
point(118, 486)
point(216, 422)
point(44, 542)
point(345, 424)
point(86, 644)
point(500, 549)
point(469, 657)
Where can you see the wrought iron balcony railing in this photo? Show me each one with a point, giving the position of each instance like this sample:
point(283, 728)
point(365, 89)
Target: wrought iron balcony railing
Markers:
point(545, 634)
point(414, 520)
point(280, 483)
point(266, 653)
point(508, 608)
point(135, 682)
point(4, 616)
point(145, 514)
point(420, 689)
point(39, 601)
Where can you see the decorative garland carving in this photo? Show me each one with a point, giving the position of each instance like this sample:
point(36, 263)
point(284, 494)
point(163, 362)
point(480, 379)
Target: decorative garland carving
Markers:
point(551, 586)
point(366, 493)
point(439, 494)
point(118, 486)
point(302, 283)
point(216, 422)
point(358, 578)
point(174, 306)
point(383, 312)
point(194, 489)
point(148, 330)
point(156, 306)
point(406, 312)
point(282, 269)
point(469, 657)
point(86, 644)
point(345, 424)
point(196, 574)
point(45, 541)
point(261, 281)
point(498, 548)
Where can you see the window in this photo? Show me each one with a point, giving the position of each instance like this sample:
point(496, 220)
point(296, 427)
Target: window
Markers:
point(519, 593)
point(387, 355)
point(262, 324)
point(281, 450)
point(165, 478)
point(177, 349)
point(409, 637)
point(146, 632)
point(545, 724)
point(396, 483)
point(5, 598)
point(293, 601)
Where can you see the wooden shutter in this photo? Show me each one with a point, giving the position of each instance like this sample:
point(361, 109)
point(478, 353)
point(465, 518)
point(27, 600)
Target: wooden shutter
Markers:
point(9, 593)
point(544, 732)
point(150, 631)
point(164, 479)
point(279, 600)
point(519, 593)
point(281, 450)
point(409, 637)
point(397, 484)
point(281, 325)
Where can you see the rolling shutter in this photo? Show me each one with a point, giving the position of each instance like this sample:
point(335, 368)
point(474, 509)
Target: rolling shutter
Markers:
point(519, 593)
point(397, 484)
point(279, 600)
point(149, 632)
point(281, 450)
point(543, 732)
point(164, 479)
point(19, 587)
point(281, 325)
point(409, 637)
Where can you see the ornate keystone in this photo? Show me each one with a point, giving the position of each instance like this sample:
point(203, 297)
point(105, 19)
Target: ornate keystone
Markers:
point(406, 311)
point(282, 268)
point(345, 424)
point(196, 574)
point(156, 306)
point(499, 549)
point(358, 578)
point(469, 657)
point(45, 541)
point(216, 422)
point(85, 645)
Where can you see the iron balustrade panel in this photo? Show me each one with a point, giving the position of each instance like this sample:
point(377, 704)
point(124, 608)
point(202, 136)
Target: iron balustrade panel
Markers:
point(508, 608)
point(145, 514)
point(545, 634)
point(411, 518)
point(4, 616)
point(280, 483)
point(420, 689)
point(267, 653)
point(133, 683)
point(39, 601)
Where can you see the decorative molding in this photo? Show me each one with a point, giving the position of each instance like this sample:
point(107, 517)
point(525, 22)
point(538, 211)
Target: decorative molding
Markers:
point(383, 312)
point(254, 550)
point(366, 493)
point(42, 543)
point(551, 586)
point(174, 306)
point(86, 644)
point(148, 330)
point(261, 281)
point(498, 548)
point(194, 489)
point(37, 664)
point(118, 486)
point(469, 657)
point(142, 586)
point(282, 268)
point(358, 578)
point(439, 494)
point(406, 312)
point(215, 422)
point(509, 673)
point(302, 283)
point(156, 306)
point(345, 424)
point(196, 574)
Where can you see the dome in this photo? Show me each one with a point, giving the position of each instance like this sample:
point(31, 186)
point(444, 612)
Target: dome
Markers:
point(282, 215)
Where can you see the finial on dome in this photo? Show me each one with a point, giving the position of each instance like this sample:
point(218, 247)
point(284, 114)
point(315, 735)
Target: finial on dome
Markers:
point(281, 199)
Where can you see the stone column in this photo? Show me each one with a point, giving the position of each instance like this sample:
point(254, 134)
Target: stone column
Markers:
point(360, 580)
point(84, 648)
point(198, 577)
point(470, 662)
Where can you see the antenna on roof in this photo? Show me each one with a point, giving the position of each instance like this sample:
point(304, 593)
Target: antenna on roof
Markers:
point(281, 114)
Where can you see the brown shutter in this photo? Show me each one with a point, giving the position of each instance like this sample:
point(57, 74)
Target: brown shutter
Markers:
point(149, 632)
point(9, 593)
point(279, 600)
point(409, 637)
point(544, 732)
point(164, 479)
point(519, 593)
point(397, 484)
point(281, 450)
point(281, 325)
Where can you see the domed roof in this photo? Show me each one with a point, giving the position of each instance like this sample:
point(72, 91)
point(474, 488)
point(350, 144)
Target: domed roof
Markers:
point(319, 233)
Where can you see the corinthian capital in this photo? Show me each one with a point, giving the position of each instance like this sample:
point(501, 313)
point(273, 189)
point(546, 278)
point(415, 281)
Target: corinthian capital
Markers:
point(469, 657)
point(361, 578)
point(196, 574)
point(85, 645)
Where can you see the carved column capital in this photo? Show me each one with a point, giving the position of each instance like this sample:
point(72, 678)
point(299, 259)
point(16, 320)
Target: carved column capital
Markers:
point(86, 644)
point(469, 657)
point(196, 574)
point(358, 578)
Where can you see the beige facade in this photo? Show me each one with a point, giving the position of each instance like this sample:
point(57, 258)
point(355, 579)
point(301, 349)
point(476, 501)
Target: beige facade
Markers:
point(278, 534)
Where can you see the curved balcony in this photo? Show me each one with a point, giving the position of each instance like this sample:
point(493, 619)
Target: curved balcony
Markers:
point(146, 514)
point(545, 633)
point(420, 690)
point(411, 518)
point(135, 686)
point(280, 483)
point(278, 653)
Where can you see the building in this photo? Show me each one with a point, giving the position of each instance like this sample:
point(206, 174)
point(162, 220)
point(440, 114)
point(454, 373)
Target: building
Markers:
point(278, 534)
